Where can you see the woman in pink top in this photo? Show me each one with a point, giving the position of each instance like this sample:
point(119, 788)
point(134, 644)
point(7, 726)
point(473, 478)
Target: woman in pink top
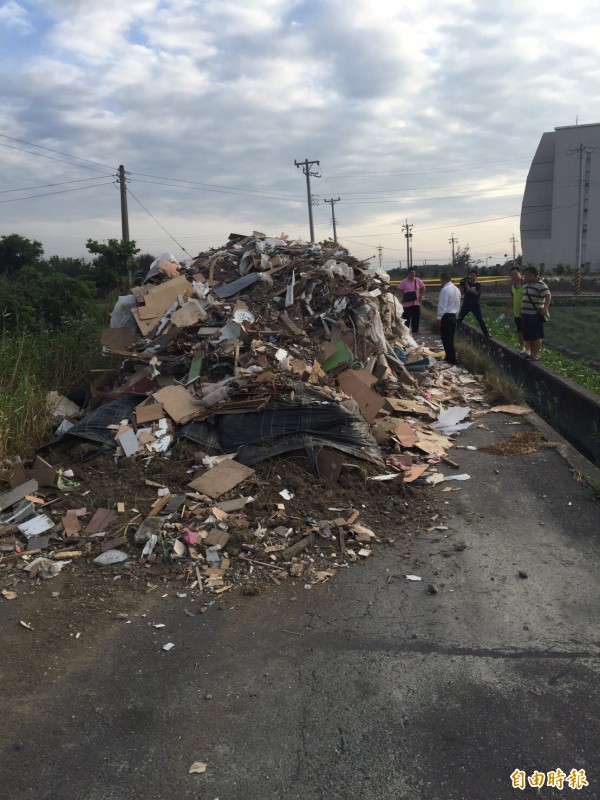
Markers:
point(411, 290)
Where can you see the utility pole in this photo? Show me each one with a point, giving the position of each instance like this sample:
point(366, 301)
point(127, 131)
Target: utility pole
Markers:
point(124, 215)
point(332, 203)
point(453, 241)
point(306, 165)
point(579, 243)
point(514, 241)
point(380, 250)
point(408, 228)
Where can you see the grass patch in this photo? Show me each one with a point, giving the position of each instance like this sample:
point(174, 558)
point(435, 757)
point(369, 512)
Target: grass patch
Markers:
point(499, 387)
point(31, 365)
point(574, 369)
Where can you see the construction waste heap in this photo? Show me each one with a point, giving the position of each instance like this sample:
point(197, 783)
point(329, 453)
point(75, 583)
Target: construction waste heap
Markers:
point(262, 348)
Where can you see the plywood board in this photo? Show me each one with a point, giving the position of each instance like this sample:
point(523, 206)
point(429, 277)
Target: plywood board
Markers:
point(162, 297)
point(222, 478)
point(146, 326)
point(178, 403)
point(368, 401)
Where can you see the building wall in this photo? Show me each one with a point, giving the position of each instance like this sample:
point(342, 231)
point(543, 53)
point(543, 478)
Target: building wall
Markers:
point(550, 201)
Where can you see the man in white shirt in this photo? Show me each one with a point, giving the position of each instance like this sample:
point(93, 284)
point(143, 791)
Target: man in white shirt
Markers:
point(448, 308)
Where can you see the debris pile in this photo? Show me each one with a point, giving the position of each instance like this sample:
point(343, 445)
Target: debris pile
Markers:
point(257, 349)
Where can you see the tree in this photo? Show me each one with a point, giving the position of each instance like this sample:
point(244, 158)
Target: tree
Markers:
point(113, 269)
point(463, 260)
point(74, 267)
point(17, 252)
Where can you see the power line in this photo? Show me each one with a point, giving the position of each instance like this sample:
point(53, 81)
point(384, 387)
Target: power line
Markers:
point(61, 191)
point(158, 223)
point(211, 185)
point(51, 150)
point(46, 185)
point(52, 158)
point(240, 193)
point(456, 168)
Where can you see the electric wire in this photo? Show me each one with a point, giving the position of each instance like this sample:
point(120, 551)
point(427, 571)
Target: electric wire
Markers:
point(46, 185)
point(60, 152)
point(211, 185)
point(60, 191)
point(53, 158)
point(240, 193)
point(157, 222)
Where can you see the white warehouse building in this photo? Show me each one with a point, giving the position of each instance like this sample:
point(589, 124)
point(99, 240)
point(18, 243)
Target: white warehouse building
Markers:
point(562, 197)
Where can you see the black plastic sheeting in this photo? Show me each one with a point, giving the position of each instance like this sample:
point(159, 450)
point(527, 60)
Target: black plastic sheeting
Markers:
point(305, 423)
point(94, 426)
point(312, 420)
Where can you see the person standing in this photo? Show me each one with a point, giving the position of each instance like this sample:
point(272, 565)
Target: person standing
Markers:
point(471, 289)
point(448, 308)
point(411, 290)
point(514, 303)
point(534, 311)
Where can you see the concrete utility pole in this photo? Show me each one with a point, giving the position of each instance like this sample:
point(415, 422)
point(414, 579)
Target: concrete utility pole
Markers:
point(408, 228)
point(306, 165)
point(453, 241)
point(579, 243)
point(514, 248)
point(380, 250)
point(332, 203)
point(124, 215)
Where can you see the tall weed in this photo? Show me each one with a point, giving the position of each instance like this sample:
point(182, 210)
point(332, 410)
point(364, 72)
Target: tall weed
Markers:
point(31, 365)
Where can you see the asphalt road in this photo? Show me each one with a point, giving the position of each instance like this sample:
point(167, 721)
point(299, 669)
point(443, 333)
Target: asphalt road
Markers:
point(367, 687)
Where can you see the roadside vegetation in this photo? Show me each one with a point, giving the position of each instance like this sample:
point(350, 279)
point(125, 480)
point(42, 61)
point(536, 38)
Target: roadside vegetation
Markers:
point(33, 363)
point(576, 370)
point(51, 313)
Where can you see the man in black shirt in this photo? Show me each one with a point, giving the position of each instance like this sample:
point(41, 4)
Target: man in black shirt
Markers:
point(471, 290)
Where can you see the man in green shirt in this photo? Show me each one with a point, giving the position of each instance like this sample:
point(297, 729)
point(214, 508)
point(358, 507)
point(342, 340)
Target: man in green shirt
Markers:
point(515, 301)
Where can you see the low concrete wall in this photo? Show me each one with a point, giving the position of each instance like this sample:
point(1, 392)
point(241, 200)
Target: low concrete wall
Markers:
point(569, 408)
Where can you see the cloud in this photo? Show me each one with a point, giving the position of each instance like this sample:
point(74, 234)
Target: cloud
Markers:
point(14, 17)
point(430, 112)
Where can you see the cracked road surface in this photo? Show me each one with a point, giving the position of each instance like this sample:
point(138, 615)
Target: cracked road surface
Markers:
point(367, 687)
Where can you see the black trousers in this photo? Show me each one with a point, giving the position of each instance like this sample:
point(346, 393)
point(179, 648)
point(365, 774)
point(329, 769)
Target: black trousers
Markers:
point(411, 316)
point(447, 331)
point(475, 309)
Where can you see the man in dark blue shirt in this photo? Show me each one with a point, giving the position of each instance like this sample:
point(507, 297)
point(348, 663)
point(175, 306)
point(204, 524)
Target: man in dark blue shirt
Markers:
point(471, 290)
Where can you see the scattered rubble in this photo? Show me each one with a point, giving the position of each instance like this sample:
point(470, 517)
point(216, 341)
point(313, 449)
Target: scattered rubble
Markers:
point(261, 348)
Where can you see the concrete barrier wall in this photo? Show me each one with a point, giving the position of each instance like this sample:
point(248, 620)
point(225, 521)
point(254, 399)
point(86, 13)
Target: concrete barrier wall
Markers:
point(570, 409)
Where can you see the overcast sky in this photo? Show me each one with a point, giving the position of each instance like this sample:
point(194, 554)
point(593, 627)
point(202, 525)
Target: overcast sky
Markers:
point(429, 111)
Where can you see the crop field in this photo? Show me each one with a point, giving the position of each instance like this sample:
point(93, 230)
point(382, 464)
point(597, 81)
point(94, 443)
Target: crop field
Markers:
point(578, 329)
point(575, 326)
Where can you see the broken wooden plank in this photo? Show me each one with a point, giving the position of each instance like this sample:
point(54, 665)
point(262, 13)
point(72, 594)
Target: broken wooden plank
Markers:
point(178, 403)
point(222, 478)
point(18, 493)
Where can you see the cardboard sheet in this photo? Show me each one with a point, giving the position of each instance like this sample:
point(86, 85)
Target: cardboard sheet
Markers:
point(221, 479)
point(148, 412)
point(402, 406)
point(191, 313)
point(353, 383)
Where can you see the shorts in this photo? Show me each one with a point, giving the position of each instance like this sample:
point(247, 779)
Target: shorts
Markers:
point(518, 325)
point(533, 327)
